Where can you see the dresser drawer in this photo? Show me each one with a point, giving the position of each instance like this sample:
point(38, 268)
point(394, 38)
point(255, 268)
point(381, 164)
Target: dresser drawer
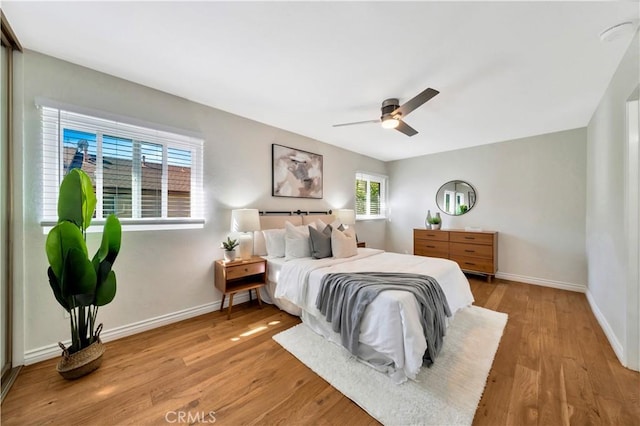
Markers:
point(475, 264)
point(471, 250)
point(471, 237)
point(431, 235)
point(431, 248)
point(240, 271)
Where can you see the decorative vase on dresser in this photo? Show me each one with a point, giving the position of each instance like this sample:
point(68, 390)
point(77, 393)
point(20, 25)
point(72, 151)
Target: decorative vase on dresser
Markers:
point(427, 221)
point(475, 251)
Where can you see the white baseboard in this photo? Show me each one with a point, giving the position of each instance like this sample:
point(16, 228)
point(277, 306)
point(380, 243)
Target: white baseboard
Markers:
point(608, 331)
point(580, 288)
point(52, 351)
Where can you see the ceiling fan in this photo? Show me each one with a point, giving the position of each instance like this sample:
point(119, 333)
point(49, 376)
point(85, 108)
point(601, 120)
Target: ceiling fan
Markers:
point(393, 112)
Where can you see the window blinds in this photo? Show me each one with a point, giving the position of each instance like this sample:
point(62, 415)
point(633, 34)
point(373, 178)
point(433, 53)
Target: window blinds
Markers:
point(371, 196)
point(138, 173)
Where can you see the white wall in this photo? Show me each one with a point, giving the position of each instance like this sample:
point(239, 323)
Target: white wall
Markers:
point(532, 191)
point(160, 273)
point(612, 292)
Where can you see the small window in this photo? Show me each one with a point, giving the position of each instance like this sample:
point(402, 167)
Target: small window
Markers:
point(144, 176)
point(371, 196)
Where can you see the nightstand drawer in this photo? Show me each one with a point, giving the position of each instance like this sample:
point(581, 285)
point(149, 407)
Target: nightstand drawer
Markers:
point(239, 271)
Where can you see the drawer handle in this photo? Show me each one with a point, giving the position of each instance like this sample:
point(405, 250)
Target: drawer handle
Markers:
point(431, 246)
point(470, 251)
point(469, 263)
point(469, 238)
point(431, 235)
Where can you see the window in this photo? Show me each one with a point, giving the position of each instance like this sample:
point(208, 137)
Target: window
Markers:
point(371, 196)
point(142, 175)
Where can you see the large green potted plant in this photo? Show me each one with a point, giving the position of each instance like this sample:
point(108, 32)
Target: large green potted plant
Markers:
point(79, 283)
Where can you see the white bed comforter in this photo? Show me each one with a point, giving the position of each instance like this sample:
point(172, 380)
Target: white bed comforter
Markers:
point(391, 336)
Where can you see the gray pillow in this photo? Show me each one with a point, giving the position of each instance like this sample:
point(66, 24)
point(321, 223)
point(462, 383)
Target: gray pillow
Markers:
point(320, 242)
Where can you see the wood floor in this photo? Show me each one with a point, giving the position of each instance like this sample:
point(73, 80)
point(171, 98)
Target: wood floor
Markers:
point(554, 366)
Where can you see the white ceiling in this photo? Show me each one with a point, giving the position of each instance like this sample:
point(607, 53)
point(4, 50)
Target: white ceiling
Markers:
point(504, 70)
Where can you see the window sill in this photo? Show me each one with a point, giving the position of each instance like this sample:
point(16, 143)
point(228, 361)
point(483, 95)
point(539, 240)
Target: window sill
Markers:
point(129, 225)
point(365, 218)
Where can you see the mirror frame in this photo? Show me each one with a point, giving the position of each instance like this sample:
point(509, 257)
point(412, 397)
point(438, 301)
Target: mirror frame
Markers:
point(456, 181)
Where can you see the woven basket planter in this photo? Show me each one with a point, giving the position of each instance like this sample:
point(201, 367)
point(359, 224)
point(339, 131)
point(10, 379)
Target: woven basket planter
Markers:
point(78, 364)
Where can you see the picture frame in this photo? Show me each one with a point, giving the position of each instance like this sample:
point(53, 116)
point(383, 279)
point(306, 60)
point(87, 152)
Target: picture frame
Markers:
point(296, 173)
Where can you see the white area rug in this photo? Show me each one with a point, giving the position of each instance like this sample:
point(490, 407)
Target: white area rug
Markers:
point(448, 393)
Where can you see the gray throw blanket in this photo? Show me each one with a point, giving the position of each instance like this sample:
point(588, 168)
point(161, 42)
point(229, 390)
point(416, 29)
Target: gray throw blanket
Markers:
point(343, 298)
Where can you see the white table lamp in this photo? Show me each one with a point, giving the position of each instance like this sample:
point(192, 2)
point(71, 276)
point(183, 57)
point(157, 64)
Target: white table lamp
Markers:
point(245, 220)
point(346, 216)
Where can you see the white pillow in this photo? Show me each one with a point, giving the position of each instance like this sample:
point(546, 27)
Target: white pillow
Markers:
point(343, 243)
point(296, 241)
point(259, 244)
point(274, 239)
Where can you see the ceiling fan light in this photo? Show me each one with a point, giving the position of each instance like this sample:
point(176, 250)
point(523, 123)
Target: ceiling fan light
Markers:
point(390, 123)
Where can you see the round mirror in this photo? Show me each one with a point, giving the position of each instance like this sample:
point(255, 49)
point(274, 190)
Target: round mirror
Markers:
point(456, 197)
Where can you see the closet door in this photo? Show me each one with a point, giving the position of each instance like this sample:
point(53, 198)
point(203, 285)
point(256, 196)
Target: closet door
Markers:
point(5, 309)
point(10, 46)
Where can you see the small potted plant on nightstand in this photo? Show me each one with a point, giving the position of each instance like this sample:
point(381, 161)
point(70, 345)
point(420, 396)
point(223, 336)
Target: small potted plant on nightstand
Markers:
point(230, 249)
point(435, 222)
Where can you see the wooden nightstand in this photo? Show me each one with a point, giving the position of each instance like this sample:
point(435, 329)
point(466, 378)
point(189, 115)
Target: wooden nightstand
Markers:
point(362, 244)
point(240, 275)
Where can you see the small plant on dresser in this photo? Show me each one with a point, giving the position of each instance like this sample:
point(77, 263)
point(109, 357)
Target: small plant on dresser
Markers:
point(435, 221)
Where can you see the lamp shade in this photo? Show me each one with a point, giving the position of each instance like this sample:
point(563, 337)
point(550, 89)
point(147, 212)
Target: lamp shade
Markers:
point(346, 216)
point(245, 220)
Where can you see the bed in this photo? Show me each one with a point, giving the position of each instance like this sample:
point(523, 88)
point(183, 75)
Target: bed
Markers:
point(391, 336)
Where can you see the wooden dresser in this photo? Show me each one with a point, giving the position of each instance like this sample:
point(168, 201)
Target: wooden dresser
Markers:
point(475, 252)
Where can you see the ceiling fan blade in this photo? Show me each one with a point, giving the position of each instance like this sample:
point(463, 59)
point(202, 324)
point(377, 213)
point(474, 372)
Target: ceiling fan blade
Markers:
point(406, 129)
point(356, 122)
point(415, 102)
